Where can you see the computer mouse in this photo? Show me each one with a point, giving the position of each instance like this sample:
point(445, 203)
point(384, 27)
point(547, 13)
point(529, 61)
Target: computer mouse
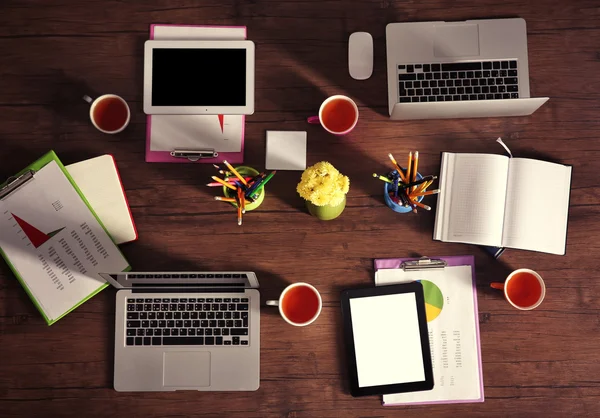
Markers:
point(360, 55)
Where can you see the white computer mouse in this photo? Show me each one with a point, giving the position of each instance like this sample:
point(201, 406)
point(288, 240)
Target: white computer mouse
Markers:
point(360, 55)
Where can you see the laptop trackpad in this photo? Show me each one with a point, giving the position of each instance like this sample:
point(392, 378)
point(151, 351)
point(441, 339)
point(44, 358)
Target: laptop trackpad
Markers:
point(456, 40)
point(186, 369)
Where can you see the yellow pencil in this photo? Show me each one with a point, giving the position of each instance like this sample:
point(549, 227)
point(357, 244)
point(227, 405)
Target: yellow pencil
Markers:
point(415, 168)
point(242, 200)
point(409, 168)
point(224, 199)
point(422, 187)
point(419, 204)
point(436, 191)
point(235, 173)
point(224, 183)
point(398, 169)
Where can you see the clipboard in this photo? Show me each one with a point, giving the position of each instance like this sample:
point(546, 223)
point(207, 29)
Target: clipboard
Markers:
point(15, 184)
point(425, 269)
point(206, 153)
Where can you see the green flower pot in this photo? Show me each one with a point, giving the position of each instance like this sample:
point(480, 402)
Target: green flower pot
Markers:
point(327, 212)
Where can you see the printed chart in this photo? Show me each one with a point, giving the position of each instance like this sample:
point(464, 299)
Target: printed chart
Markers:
point(35, 236)
point(434, 300)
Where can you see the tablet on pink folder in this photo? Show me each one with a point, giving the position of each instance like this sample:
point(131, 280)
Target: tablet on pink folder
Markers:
point(222, 133)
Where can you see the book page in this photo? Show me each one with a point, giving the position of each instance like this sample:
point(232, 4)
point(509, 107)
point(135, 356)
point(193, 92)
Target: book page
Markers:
point(537, 206)
point(55, 243)
point(453, 324)
point(475, 197)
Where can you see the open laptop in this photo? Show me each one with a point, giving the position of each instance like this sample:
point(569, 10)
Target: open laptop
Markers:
point(186, 331)
point(470, 69)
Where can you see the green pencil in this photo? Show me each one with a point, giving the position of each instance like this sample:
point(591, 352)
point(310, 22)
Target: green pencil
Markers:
point(261, 185)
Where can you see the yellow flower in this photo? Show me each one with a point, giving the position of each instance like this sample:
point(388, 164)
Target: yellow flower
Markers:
point(321, 184)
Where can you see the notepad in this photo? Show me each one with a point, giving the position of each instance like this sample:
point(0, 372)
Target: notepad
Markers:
point(99, 181)
point(286, 150)
point(499, 201)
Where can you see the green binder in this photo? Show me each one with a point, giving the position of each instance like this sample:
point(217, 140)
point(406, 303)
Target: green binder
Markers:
point(12, 186)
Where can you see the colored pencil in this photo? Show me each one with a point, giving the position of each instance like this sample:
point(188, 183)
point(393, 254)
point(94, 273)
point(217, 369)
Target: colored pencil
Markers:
point(225, 199)
point(239, 206)
point(262, 184)
point(398, 168)
point(254, 184)
point(416, 183)
point(224, 183)
point(235, 173)
point(423, 186)
point(436, 191)
point(382, 178)
point(419, 204)
point(415, 167)
point(409, 168)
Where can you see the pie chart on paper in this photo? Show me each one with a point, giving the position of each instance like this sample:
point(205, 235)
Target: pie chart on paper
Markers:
point(434, 300)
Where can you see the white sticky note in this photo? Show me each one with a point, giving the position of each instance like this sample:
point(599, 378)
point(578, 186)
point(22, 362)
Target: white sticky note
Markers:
point(286, 150)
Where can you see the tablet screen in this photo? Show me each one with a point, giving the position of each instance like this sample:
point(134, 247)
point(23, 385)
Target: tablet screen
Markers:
point(387, 340)
point(198, 77)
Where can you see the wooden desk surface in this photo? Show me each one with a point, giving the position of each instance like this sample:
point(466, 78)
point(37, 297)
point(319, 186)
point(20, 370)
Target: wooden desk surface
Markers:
point(539, 363)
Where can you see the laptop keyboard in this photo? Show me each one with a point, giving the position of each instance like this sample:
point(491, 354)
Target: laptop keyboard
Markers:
point(186, 321)
point(485, 80)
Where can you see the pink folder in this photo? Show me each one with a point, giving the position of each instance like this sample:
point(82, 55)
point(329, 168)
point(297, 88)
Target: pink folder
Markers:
point(212, 32)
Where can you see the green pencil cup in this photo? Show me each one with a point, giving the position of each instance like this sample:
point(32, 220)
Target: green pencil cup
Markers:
point(245, 172)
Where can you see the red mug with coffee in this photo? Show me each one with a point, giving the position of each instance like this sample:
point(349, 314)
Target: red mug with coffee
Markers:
point(109, 113)
point(338, 115)
point(299, 304)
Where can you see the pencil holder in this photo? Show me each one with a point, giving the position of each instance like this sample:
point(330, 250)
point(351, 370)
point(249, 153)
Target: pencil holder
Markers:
point(389, 187)
point(245, 172)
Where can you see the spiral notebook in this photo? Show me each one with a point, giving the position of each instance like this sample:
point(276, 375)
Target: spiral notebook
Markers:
point(453, 323)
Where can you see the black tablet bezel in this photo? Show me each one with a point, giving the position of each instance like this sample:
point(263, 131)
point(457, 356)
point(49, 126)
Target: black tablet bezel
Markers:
point(417, 289)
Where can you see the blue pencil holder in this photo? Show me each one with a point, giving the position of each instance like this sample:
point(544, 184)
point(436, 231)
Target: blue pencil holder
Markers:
point(388, 187)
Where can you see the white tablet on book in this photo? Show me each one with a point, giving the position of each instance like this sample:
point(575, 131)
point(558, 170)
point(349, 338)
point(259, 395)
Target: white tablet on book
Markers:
point(199, 77)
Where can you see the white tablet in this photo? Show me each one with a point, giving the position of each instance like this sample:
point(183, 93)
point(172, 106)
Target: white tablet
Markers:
point(199, 77)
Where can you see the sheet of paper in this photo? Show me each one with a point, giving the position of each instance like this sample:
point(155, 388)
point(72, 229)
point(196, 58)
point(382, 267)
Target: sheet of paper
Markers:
point(452, 323)
point(286, 150)
point(55, 243)
point(475, 189)
point(387, 340)
point(537, 206)
point(99, 181)
point(223, 133)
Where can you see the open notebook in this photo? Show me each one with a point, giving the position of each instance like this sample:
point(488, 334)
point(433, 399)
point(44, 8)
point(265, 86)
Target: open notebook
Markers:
point(99, 181)
point(499, 201)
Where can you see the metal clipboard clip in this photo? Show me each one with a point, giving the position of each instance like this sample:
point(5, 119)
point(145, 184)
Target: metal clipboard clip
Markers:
point(424, 263)
point(194, 155)
point(15, 183)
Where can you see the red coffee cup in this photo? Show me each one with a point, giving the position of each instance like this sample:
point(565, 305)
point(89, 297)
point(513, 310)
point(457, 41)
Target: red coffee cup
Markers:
point(337, 115)
point(299, 304)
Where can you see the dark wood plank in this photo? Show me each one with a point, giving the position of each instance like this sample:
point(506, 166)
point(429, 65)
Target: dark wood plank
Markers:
point(539, 363)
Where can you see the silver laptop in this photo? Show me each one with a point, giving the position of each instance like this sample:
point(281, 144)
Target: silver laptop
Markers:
point(476, 68)
point(186, 331)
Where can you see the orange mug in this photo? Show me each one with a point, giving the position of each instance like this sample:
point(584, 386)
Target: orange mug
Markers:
point(524, 289)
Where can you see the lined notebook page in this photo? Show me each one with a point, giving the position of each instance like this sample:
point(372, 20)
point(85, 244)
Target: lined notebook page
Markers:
point(537, 206)
point(476, 197)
